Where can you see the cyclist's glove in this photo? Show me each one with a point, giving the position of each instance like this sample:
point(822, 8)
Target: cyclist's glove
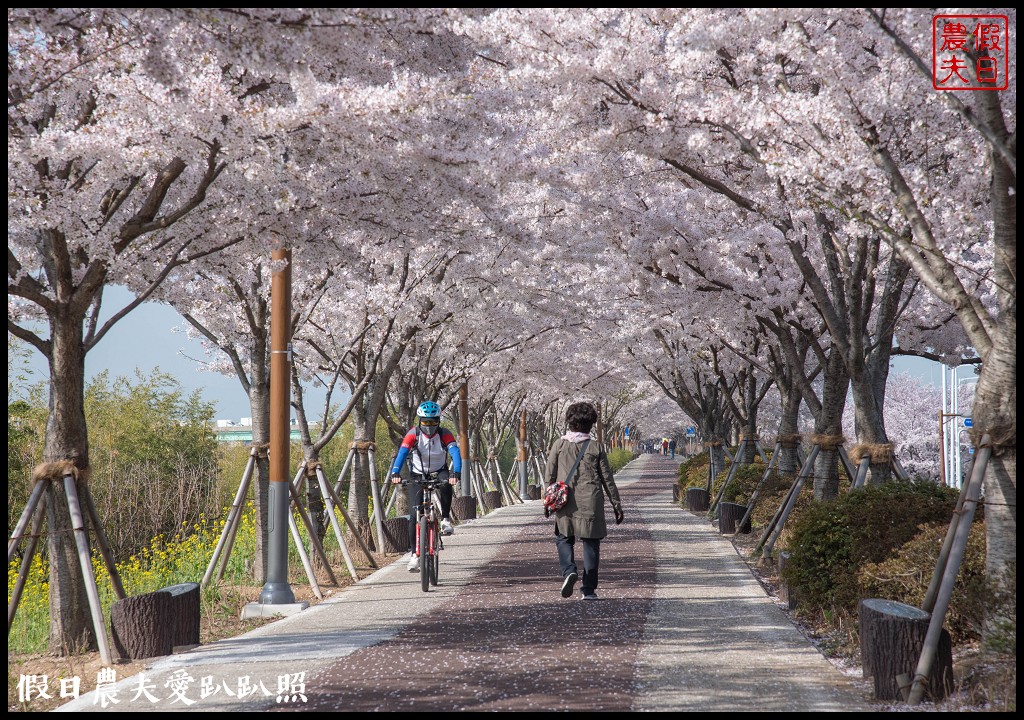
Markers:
point(396, 478)
point(456, 476)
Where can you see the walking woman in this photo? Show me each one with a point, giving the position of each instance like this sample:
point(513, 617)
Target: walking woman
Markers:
point(582, 516)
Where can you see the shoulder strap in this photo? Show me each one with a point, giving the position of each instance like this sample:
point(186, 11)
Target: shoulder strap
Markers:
point(416, 446)
point(578, 458)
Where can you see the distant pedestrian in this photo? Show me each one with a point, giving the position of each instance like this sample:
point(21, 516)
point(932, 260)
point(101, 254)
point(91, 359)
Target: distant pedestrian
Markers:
point(664, 446)
point(672, 447)
point(582, 516)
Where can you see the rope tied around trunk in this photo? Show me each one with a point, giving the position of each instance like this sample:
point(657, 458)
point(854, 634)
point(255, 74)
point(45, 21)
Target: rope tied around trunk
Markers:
point(828, 443)
point(58, 470)
point(880, 453)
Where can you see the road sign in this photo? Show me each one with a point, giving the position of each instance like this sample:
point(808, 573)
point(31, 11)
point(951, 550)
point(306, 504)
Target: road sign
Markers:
point(968, 422)
point(691, 432)
point(970, 451)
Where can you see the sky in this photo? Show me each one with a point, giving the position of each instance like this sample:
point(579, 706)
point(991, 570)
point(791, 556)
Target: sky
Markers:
point(153, 336)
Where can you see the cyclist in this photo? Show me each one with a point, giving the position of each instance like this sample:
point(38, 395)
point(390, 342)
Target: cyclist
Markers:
point(430, 445)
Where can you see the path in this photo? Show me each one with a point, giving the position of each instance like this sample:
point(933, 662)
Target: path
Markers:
point(682, 625)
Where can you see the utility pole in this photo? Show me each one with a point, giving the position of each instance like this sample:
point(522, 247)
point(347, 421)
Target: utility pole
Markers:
point(277, 591)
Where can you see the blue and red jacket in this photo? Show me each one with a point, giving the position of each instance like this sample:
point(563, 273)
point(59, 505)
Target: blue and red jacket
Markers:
point(429, 452)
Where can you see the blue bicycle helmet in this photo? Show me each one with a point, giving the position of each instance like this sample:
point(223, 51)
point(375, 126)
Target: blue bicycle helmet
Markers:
point(429, 410)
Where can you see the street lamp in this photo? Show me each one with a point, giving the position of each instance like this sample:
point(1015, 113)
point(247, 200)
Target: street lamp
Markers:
point(950, 468)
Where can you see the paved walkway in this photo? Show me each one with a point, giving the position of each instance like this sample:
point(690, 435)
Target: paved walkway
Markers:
point(681, 625)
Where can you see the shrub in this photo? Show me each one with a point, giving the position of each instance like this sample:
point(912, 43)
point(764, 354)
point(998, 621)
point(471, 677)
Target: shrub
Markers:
point(694, 472)
point(743, 483)
point(905, 576)
point(618, 458)
point(831, 540)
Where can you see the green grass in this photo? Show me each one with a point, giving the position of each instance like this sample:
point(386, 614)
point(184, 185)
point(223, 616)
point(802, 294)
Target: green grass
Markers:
point(165, 561)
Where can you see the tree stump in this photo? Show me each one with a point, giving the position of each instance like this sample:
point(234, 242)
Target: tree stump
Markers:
point(697, 499)
point(533, 492)
point(396, 534)
point(184, 614)
point(491, 500)
point(141, 625)
point(464, 508)
point(786, 593)
point(729, 516)
point(891, 639)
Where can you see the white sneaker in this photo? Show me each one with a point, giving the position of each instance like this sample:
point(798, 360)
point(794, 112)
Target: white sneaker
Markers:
point(446, 527)
point(414, 563)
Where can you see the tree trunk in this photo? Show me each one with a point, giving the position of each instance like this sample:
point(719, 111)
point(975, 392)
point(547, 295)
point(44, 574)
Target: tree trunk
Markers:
point(788, 464)
point(141, 625)
point(66, 440)
point(829, 423)
point(464, 507)
point(868, 405)
point(729, 518)
point(994, 412)
point(396, 534)
point(697, 499)
point(891, 639)
point(259, 405)
point(491, 500)
point(364, 428)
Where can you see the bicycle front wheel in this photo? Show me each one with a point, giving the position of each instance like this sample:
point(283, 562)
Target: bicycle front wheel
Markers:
point(434, 559)
point(425, 554)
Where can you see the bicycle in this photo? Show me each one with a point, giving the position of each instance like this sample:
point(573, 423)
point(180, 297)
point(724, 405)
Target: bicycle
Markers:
point(428, 531)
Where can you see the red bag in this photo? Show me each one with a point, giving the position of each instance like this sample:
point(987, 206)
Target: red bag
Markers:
point(556, 496)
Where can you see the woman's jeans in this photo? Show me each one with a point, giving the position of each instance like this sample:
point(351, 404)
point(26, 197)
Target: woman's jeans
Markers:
point(591, 559)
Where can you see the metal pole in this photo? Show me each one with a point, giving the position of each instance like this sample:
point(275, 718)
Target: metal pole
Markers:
point(314, 541)
point(466, 486)
point(728, 479)
point(954, 436)
point(235, 508)
point(101, 540)
point(942, 424)
point(26, 562)
point(26, 515)
point(277, 591)
point(757, 490)
point(928, 604)
point(329, 501)
point(375, 491)
point(791, 502)
point(359, 538)
point(85, 559)
point(862, 472)
point(850, 472)
point(344, 469)
point(523, 495)
point(942, 444)
point(307, 566)
point(966, 517)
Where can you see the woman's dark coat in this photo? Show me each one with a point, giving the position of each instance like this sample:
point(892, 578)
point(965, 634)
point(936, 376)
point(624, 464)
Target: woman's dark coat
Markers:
point(583, 514)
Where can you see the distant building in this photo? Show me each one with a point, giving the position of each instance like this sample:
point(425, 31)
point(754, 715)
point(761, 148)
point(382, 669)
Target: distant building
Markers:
point(229, 431)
